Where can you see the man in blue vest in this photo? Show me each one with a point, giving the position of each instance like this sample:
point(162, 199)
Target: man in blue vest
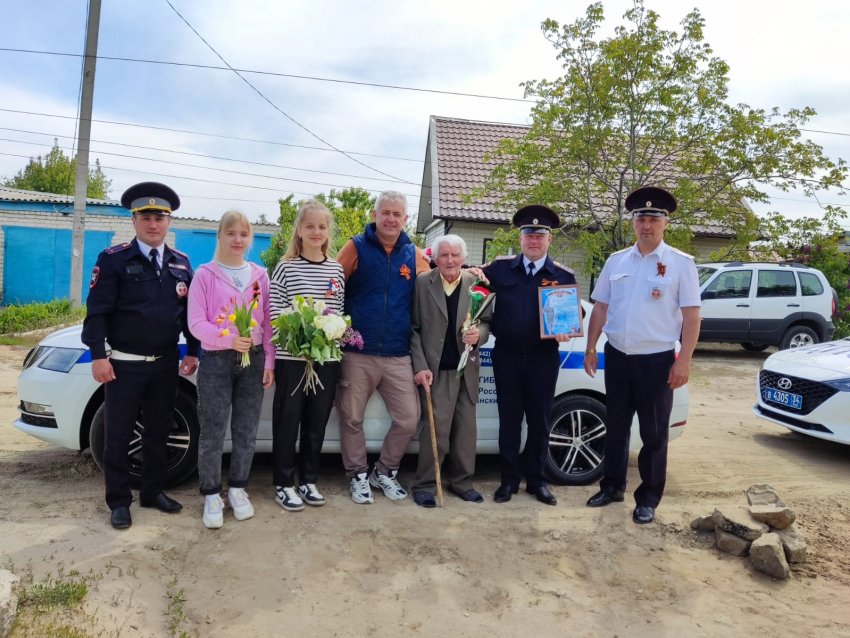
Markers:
point(380, 267)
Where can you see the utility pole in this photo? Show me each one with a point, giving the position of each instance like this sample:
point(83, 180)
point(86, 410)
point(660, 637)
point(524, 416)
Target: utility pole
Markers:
point(81, 179)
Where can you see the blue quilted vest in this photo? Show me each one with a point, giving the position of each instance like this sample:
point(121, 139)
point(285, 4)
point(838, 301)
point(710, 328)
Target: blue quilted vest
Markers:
point(379, 297)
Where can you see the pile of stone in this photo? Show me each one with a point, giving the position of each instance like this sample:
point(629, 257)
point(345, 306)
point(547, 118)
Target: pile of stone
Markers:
point(765, 531)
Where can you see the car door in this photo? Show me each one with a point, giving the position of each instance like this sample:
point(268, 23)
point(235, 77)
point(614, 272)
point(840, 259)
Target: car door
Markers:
point(817, 298)
point(726, 305)
point(777, 298)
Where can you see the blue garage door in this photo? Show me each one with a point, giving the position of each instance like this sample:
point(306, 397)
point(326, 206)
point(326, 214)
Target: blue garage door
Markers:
point(37, 262)
point(200, 246)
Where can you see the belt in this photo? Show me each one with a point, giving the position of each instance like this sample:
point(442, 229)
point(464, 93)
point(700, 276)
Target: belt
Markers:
point(125, 356)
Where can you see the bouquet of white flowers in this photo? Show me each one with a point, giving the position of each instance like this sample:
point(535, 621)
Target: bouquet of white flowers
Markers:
point(316, 334)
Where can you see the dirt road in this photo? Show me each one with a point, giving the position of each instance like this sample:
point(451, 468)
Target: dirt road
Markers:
point(392, 569)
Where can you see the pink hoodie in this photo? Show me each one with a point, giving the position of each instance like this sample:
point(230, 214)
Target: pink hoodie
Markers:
point(210, 290)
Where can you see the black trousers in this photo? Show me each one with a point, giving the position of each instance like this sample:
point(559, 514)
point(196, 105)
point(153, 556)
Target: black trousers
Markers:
point(151, 386)
point(525, 385)
point(638, 383)
point(309, 410)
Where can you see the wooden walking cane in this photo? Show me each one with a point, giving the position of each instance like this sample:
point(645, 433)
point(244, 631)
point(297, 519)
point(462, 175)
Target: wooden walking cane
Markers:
point(434, 448)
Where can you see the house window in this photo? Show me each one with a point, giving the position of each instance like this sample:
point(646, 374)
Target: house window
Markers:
point(486, 246)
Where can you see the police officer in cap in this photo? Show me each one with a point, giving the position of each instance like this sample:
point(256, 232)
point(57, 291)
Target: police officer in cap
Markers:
point(137, 304)
point(647, 296)
point(525, 366)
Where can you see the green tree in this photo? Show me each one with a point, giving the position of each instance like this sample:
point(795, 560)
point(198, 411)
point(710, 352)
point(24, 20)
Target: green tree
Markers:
point(649, 107)
point(55, 174)
point(280, 240)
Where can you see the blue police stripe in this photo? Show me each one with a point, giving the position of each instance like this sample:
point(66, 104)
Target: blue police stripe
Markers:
point(86, 356)
point(569, 360)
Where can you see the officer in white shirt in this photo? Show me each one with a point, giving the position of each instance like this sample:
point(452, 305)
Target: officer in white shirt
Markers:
point(647, 297)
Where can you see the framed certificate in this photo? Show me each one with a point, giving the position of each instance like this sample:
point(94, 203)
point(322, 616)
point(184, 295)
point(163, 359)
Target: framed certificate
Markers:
point(560, 311)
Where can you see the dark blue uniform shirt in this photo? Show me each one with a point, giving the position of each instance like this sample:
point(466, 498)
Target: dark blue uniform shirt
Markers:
point(133, 308)
point(516, 315)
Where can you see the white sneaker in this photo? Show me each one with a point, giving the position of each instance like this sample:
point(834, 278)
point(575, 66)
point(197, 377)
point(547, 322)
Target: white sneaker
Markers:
point(288, 499)
point(242, 508)
point(311, 495)
point(387, 482)
point(213, 511)
point(360, 490)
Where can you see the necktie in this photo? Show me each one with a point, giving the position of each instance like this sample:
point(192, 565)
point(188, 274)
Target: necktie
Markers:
point(154, 254)
point(530, 270)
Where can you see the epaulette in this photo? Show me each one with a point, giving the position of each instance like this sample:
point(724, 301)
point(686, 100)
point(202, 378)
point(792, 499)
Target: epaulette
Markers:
point(563, 267)
point(117, 248)
point(177, 252)
point(501, 258)
point(682, 253)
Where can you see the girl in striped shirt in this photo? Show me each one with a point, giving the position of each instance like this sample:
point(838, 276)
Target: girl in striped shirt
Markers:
point(304, 270)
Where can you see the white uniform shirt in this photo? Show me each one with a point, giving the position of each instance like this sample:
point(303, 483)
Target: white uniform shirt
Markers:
point(146, 251)
point(644, 307)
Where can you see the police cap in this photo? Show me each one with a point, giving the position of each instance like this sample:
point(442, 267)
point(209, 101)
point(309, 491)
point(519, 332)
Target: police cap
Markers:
point(150, 196)
point(536, 218)
point(652, 201)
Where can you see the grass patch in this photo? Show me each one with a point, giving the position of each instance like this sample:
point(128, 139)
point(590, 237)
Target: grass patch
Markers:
point(35, 316)
point(175, 612)
point(54, 593)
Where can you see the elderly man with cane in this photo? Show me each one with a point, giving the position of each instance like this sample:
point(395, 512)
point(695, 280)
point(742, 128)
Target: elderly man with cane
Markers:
point(441, 307)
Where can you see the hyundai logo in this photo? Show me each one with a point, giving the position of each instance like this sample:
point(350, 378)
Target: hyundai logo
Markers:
point(784, 383)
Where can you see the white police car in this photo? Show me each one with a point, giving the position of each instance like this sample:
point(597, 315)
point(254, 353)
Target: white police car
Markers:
point(808, 390)
point(61, 403)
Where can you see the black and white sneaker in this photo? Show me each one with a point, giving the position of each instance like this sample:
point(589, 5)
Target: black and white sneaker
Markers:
point(388, 482)
point(311, 495)
point(288, 498)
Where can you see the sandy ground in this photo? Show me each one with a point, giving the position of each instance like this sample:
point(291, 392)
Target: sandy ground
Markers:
point(392, 569)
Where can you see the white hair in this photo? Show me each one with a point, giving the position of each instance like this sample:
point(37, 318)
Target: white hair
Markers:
point(391, 196)
point(451, 240)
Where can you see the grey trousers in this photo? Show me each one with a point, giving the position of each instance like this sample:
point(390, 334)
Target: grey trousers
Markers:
point(457, 434)
point(228, 393)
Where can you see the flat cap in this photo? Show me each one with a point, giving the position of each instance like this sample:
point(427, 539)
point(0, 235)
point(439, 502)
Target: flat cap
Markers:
point(150, 196)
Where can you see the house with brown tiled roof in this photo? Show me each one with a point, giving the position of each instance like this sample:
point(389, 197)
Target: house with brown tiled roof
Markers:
point(454, 165)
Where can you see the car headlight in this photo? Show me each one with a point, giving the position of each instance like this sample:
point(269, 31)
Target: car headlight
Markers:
point(34, 355)
point(61, 359)
point(839, 384)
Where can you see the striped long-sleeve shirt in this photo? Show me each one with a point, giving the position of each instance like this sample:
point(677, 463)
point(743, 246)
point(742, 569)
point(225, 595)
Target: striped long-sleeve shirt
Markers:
point(323, 281)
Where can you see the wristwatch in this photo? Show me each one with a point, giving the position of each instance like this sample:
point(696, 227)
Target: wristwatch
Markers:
point(590, 351)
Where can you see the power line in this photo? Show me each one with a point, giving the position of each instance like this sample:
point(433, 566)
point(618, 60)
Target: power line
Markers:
point(275, 106)
point(215, 157)
point(281, 75)
point(226, 137)
point(206, 168)
point(193, 179)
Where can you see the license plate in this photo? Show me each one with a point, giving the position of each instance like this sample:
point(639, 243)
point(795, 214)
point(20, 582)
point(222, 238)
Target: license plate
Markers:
point(794, 401)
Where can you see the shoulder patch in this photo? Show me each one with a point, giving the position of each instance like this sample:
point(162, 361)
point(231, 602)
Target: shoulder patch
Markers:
point(179, 253)
point(682, 253)
point(117, 248)
point(563, 267)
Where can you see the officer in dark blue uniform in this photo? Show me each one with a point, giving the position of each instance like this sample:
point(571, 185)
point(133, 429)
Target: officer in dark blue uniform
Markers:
point(524, 365)
point(137, 303)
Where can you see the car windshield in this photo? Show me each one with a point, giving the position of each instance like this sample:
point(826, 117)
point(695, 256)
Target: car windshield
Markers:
point(705, 273)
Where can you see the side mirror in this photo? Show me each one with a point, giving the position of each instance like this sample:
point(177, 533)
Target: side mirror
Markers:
point(709, 294)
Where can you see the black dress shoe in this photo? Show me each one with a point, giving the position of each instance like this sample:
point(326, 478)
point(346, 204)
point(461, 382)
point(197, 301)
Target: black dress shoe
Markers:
point(605, 497)
point(643, 514)
point(162, 503)
point(544, 495)
point(120, 518)
point(503, 494)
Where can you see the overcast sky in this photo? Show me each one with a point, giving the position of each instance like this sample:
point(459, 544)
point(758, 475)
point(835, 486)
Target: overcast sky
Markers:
point(781, 53)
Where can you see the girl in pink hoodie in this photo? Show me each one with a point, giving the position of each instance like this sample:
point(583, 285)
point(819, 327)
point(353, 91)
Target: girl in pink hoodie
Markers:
point(227, 391)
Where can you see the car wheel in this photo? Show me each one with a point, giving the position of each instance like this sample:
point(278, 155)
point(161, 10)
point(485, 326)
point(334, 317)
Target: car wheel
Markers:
point(576, 440)
point(182, 442)
point(754, 347)
point(797, 337)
